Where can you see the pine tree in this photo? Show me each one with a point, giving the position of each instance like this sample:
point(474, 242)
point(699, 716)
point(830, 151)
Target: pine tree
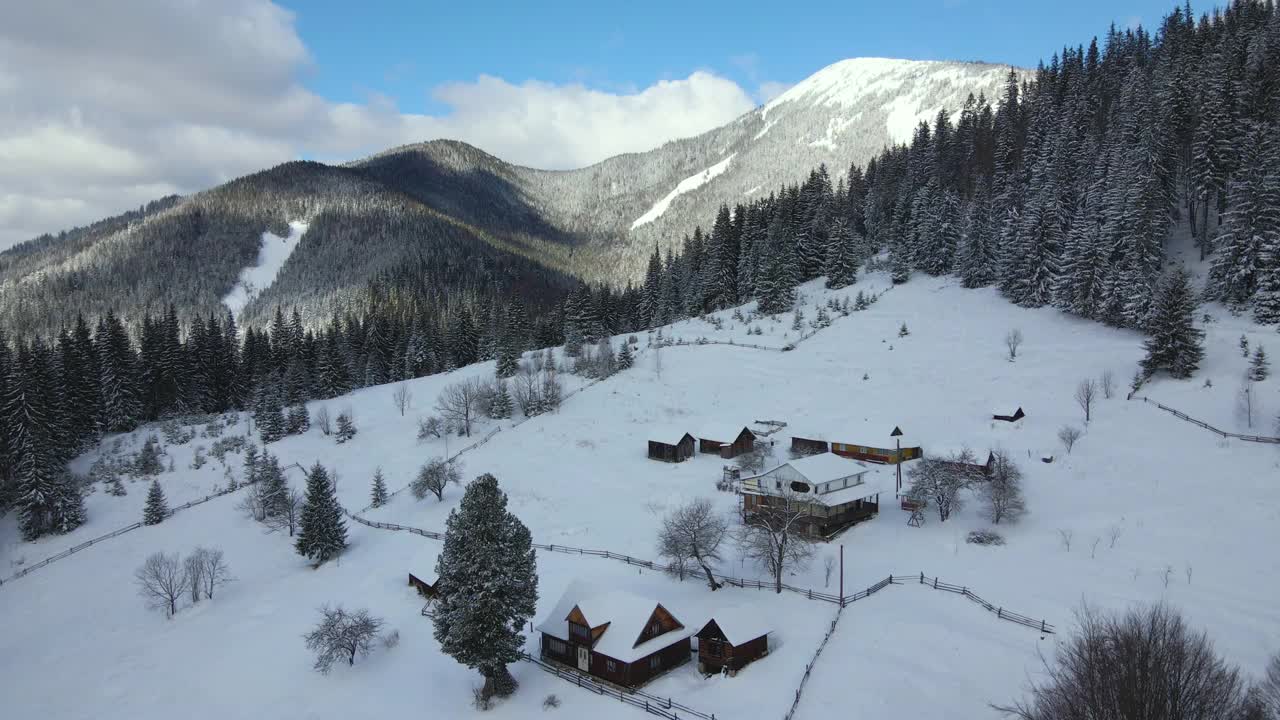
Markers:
point(29, 436)
point(268, 412)
point(1259, 366)
point(488, 585)
point(148, 460)
point(346, 428)
point(297, 421)
point(625, 357)
point(1244, 346)
point(378, 494)
point(121, 404)
point(323, 532)
point(273, 488)
point(841, 265)
point(251, 463)
point(1175, 344)
point(68, 511)
point(500, 409)
point(1251, 225)
point(156, 509)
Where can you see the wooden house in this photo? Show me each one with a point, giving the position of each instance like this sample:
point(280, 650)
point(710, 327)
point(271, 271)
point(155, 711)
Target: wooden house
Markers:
point(671, 445)
point(1009, 413)
point(614, 635)
point(731, 639)
point(833, 492)
point(426, 589)
point(973, 461)
point(864, 441)
point(727, 441)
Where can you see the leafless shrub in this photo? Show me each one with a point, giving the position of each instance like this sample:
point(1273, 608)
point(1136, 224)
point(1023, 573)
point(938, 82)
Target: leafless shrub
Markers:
point(1002, 492)
point(1146, 663)
point(1069, 434)
point(401, 397)
point(1013, 340)
point(341, 635)
point(1108, 384)
point(391, 639)
point(828, 566)
point(322, 420)
point(1093, 551)
point(550, 702)
point(1188, 570)
point(1065, 536)
point(431, 427)
point(162, 580)
point(1168, 574)
point(1086, 393)
point(1113, 534)
point(985, 537)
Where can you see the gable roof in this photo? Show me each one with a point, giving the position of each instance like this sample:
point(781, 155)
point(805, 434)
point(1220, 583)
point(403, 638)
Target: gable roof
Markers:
point(740, 624)
point(626, 614)
point(825, 467)
point(668, 435)
point(721, 432)
point(1007, 409)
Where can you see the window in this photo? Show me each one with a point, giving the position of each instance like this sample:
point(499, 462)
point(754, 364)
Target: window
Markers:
point(558, 647)
point(611, 666)
point(800, 487)
point(655, 662)
point(579, 632)
point(655, 629)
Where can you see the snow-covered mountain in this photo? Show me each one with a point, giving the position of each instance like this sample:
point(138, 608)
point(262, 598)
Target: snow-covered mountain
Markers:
point(616, 209)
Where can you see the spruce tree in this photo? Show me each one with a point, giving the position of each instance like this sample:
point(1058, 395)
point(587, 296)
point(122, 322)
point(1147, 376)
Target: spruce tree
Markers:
point(501, 406)
point(268, 411)
point(346, 428)
point(29, 436)
point(488, 585)
point(251, 462)
point(273, 488)
point(1175, 343)
point(626, 358)
point(156, 509)
point(323, 532)
point(1259, 366)
point(378, 493)
point(841, 265)
point(1244, 346)
point(297, 421)
point(1250, 224)
point(68, 511)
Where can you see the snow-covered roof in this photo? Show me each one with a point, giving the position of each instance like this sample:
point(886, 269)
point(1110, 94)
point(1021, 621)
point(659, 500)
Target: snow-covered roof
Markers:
point(872, 432)
point(1007, 408)
point(740, 624)
point(723, 432)
point(947, 452)
point(825, 467)
point(668, 434)
point(875, 482)
point(626, 614)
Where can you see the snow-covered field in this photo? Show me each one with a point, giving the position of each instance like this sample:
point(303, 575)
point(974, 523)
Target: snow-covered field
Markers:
point(272, 255)
point(1192, 514)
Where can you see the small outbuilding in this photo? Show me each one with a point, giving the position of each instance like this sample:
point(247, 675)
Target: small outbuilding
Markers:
point(426, 589)
point(866, 440)
point(727, 441)
point(614, 635)
point(1009, 413)
point(963, 458)
point(671, 445)
point(731, 639)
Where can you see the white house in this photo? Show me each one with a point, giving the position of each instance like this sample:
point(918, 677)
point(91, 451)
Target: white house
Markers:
point(833, 492)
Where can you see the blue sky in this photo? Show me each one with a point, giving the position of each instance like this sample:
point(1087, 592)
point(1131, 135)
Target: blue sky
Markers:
point(402, 49)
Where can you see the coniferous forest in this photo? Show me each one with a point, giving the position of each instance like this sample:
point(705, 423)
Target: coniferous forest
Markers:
point(1063, 191)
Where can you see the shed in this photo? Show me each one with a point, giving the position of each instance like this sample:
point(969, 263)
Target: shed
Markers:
point(424, 588)
point(978, 461)
point(867, 439)
point(615, 635)
point(731, 639)
point(1009, 413)
point(671, 445)
point(727, 441)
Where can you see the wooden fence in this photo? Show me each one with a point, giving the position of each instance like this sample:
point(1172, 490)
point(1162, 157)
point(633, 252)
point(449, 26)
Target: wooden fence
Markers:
point(808, 668)
point(652, 704)
point(114, 533)
point(1000, 611)
point(1210, 428)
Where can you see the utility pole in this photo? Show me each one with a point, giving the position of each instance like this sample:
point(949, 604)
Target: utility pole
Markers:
point(897, 438)
point(842, 574)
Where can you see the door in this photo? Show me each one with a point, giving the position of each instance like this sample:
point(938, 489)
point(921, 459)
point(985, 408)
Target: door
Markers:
point(584, 659)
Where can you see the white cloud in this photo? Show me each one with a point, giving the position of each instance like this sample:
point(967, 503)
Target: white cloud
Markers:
point(104, 106)
point(769, 90)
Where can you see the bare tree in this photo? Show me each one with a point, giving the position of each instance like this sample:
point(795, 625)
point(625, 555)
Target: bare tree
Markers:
point(193, 566)
point(940, 481)
point(1108, 384)
point(1065, 536)
point(434, 477)
point(162, 580)
point(459, 403)
point(755, 460)
point(1002, 492)
point(1146, 663)
point(772, 536)
point(322, 420)
point(1086, 392)
point(1113, 534)
point(288, 511)
point(828, 566)
point(401, 397)
point(1013, 340)
point(215, 572)
point(694, 531)
point(341, 635)
point(1269, 688)
point(1069, 434)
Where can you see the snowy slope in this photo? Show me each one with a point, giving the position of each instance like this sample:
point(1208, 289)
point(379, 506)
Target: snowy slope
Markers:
point(1185, 503)
point(687, 185)
point(272, 255)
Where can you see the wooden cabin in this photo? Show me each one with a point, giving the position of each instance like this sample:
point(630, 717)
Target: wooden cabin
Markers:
point(963, 458)
point(425, 589)
point(614, 635)
point(1009, 413)
point(834, 492)
point(731, 639)
point(727, 441)
point(671, 446)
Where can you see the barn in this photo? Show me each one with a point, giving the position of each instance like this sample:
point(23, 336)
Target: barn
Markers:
point(731, 639)
point(854, 443)
point(834, 492)
point(1009, 412)
point(614, 635)
point(671, 445)
point(727, 441)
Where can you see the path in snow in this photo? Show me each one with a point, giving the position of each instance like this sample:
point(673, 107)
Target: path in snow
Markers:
point(686, 185)
point(272, 254)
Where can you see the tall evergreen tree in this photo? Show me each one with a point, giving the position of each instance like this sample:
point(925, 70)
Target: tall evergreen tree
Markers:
point(157, 508)
point(488, 585)
point(1175, 343)
point(841, 266)
point(323, 532)
point(378, 493)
